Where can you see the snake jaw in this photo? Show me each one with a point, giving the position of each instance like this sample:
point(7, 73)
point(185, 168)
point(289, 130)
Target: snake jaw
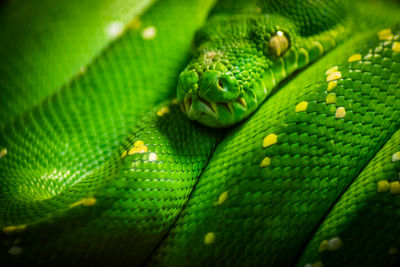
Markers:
point(214, 98)
point(195, 106)
point(210, 113)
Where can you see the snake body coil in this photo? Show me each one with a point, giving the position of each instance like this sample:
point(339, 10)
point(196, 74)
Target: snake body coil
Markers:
point(106, 171)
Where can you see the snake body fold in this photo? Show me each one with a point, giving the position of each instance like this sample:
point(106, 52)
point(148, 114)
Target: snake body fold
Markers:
point(105, 171)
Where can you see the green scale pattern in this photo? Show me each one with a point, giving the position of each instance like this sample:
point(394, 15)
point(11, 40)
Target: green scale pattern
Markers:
point(85, 200)
point(127, 220)
point(45, 44)
point(234, 66)
point(316, 157)
point(365, 220)
point(64, 150)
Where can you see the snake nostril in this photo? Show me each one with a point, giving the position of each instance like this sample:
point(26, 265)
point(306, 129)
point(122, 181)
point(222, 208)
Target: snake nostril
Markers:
point(218, 87)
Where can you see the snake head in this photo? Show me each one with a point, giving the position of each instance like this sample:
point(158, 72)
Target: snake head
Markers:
point(213, 97)
point(231, 73)
point(222, 85)
point(240, 59)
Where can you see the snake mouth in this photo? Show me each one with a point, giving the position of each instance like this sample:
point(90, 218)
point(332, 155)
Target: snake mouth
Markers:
point(217, 98)
point(194, 106)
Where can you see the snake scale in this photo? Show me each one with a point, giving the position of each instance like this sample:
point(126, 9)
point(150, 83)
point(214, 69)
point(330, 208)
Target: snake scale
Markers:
point(100, 164)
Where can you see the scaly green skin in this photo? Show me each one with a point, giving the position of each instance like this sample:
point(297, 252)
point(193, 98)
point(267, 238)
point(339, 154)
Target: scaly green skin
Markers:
point(50, 44)
point(274, 178)
point(236, 65)
point(89, 178)
point(69, 149)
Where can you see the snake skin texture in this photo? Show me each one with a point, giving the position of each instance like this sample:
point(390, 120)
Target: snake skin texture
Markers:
point(44, 45)
point(68, 148)
point(290, 162)
point(99, 166)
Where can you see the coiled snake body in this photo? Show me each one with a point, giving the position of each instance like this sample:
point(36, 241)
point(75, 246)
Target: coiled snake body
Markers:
point(104, 171)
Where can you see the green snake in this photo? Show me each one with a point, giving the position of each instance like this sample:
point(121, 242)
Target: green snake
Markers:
point(100, 165)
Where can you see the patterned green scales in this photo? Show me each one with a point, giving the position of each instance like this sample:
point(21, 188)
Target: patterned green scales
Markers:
point(318, 138)
point(62, 171)
point(309, 179)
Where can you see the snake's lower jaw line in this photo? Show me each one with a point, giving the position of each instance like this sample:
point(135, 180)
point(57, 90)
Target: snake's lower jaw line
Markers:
point(194, 107)
point(215, 114)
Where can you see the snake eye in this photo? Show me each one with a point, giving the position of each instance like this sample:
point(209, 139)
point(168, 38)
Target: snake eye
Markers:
point(278, 44)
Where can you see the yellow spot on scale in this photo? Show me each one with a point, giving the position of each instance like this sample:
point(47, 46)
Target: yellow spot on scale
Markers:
point(175, 101)
point(75, 204)
point(392, 251)
point(209, 238)
point(3, 152)
point(138, 143)
point(385, 34)
point(9, 229)
point(334, 76)
point(340, 113)
point(395, 188)
point(331, 85)
point(14, 228)
point(85, 202)
point(396, 47)
point(302, 106)
point(331, 98)
point(331, 70)
point(335, 243)
point(222, 198)
point(163, 111)
point(138, 147)
point(323, 246)
point(149, 33)
point(355, 57)
point(396, 156)
point(265, 162)
point(270, 140)
point(89, 201)
point(152, 157)
point(383, 186)
point(123, 155)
